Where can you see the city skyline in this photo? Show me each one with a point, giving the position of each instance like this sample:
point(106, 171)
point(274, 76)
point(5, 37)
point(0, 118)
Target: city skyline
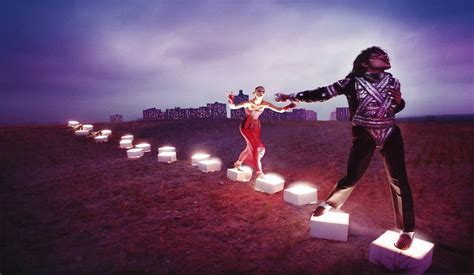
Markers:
point(87, 60)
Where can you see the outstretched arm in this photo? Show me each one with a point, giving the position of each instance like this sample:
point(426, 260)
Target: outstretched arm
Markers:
point(318, 94)
point(279, 109)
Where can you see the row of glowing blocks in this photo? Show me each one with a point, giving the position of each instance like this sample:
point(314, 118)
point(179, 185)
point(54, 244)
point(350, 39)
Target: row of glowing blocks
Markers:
point(86, 128)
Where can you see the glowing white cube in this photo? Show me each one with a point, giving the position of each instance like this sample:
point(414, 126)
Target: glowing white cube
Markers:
point(167, 157)
point(81, 132)
point(126, 143)
point(72, 123)
point(100, 139)
point(87, 127)
point(244, 174)
point(106, 132)
point(166, 149)
point(333, 225)
point(415, 260)
point(210, 165)
point(300, 194)
point(145, 146)
point(270, 184)
point(135, 153)
point(127, 137)
point(196, 158)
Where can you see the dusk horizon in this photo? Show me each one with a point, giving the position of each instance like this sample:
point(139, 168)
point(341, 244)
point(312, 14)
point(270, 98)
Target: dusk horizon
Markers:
point(87, 60)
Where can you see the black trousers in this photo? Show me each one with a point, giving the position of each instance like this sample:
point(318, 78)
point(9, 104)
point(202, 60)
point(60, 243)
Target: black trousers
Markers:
point(362, 150)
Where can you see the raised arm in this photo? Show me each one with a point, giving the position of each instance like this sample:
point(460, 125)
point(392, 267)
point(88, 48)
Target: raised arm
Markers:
point(232, 105)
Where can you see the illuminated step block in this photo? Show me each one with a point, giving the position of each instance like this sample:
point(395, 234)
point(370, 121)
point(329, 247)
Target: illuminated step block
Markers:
point(72, 123)
point(81, 133)
point(210, 165)
point(127, 137)
point(87, 127)
point(135, 153)
point(300, 195)
point(106, 132)
point(196, 158)
point(145, 146)
point(244, 174)
point(269, 184)
point(166, 149)
point(332, 225)
point(415, 260)
point(126, 143)
point(99, 139)
point(167, 157)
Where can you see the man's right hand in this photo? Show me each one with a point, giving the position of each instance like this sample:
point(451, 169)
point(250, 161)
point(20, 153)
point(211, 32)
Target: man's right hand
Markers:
point(279, 97)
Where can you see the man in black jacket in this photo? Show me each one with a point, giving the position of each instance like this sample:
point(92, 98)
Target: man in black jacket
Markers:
point(374, 97)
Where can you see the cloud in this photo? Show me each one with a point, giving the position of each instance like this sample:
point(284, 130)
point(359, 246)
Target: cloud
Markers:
point(165, 54)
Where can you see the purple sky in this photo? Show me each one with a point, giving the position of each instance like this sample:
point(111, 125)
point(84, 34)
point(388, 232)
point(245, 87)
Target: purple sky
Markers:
point(85, 60)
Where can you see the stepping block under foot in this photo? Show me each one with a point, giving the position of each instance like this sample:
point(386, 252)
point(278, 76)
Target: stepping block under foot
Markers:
point(239, 175)
point(415, 260)
point(270, 184)
point(333, 225)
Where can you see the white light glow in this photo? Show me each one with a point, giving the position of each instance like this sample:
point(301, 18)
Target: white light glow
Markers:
point(210, 165)
point(145, 146)
point(127, 137)
point(167, 157)
point(273, 179)
point(196, 158)
point(101, 139)
point(126, 143)
point(81, 132)
point(166, 149)
point(301, 188)
point(106, 132)
point(270, 183)
point(87, 127)
point(72, 123)
point(300, 193)
point(135, 153)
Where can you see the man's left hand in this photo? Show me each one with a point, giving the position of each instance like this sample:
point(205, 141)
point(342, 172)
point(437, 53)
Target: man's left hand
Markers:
point(396, 95)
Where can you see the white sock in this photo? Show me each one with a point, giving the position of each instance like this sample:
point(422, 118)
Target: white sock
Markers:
point(411, 234)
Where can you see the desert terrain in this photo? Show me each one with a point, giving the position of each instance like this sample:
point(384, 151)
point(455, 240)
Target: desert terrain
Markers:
point(69, 205)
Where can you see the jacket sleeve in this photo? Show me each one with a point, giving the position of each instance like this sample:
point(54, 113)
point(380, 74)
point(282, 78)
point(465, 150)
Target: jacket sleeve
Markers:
point(323, 93)
point(400, 106)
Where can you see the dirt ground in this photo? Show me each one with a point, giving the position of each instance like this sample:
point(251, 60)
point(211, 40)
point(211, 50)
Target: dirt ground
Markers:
point(69, 205)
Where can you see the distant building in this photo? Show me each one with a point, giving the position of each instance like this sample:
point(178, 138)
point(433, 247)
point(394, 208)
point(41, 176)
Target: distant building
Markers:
point(116, 118)
point(214, 110)
point(217, 110)
point(239, 113)
point(295, 114)
point(311, 115)
point(343, 114)
point(333, 116)
point(152, 114)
